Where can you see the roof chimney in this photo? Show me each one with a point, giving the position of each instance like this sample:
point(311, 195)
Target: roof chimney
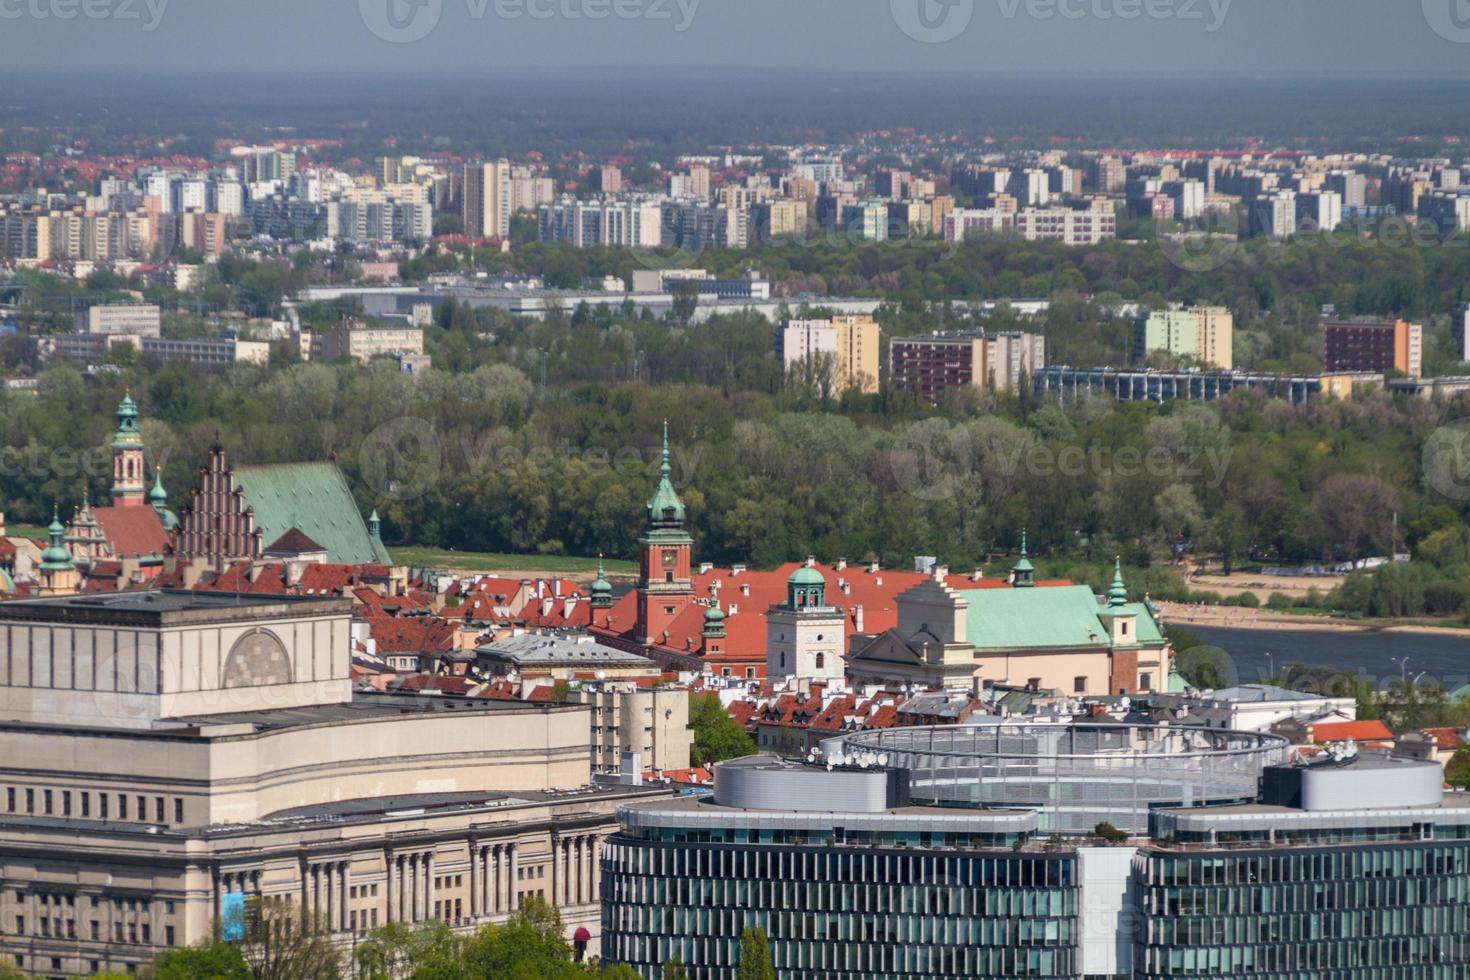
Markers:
point(841, 565)
point(872, 568)
point(857, 619)
point(975, 575)
point(745, 588)
point(941, 572)
point(811, 561)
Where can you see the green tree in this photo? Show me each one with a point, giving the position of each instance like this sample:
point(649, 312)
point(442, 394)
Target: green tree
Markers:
point(218, 961)
point(674, 969)
point(1457, 770)
point(755, 955)
point(396, 951)
point(531, 945)
point(282, 943)
point(716, 736)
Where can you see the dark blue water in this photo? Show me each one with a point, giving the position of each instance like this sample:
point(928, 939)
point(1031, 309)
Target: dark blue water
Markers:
point(1442, 658)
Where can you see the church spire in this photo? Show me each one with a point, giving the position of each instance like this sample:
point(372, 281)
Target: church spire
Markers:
point(1118, 594)
point(1023, 576)
point(665, 509)
point(127, 456)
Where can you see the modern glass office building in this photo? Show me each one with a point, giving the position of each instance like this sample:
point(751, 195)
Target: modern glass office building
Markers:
point(874, 888)
point(1357, 868)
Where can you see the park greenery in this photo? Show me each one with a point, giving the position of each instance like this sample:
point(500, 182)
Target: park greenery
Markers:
point(541, 437)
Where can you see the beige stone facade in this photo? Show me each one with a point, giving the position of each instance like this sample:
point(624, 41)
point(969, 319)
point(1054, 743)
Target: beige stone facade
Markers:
point(160, 750)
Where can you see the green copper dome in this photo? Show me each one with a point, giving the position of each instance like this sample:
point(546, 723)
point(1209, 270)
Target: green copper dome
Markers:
point(600, 585)
point(714, 614)
point(806, 575)
point(665, 509)
point(1023, 575)
point(158, 496)
point(55, 557)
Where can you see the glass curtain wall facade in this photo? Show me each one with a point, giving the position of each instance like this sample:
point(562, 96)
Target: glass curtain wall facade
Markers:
point(838, 913)
point(1387, 911)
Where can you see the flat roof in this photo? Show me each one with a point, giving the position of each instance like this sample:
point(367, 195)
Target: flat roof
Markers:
point(363, 706)
point(158, 607)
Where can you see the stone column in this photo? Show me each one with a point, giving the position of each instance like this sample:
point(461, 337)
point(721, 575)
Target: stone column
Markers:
point(344, 877)
point(474, 852)
point(512, 899)
point(389, 860)
point(429, 885)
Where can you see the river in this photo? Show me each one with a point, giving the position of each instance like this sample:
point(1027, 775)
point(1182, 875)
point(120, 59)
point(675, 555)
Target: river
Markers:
point(1441, 657)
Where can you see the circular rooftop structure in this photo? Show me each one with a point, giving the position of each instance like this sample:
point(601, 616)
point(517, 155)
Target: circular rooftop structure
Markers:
point(1074, 775)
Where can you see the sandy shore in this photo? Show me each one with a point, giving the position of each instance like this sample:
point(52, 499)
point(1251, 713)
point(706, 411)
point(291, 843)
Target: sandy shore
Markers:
point(1230, 617)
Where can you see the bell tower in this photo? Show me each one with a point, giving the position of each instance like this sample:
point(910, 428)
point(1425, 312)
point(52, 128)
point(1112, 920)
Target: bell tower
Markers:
point(665, 554)
point(127, 457)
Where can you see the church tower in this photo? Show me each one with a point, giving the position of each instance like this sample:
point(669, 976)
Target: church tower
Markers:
point(58, 573)
point(805, 636)
point(665, 553)
point(127, 457)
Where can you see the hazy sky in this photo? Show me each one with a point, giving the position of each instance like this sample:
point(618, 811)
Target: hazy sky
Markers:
point(1129, 37)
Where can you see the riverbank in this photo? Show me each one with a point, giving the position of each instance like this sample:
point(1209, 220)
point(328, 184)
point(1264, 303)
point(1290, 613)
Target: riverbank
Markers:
point(1239, 618)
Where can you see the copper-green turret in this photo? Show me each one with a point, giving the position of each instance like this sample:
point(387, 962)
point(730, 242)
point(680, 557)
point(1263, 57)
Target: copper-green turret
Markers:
point(56, 558)
point(1118, 594)
point(602, 597)
point(665, 509)
point(127, 434)
point(714, 622)
point(1023, 576)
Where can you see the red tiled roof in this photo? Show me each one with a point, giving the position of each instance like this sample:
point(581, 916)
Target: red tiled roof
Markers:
point(1341, 731)
point(411, 634)
point(1445, 739)
point(745, 629)
point(429, 682)
point(132, 531)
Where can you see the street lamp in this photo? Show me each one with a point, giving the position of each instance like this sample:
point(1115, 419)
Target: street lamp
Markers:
point(1403, 663)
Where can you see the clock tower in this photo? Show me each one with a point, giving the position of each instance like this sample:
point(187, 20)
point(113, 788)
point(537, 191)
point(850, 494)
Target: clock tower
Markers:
point(665, 586)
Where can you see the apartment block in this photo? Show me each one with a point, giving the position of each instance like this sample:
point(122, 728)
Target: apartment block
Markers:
point(851, 342)
point(487, 199)
point(1203, 333)
point(931, 366)
point(1366, 346)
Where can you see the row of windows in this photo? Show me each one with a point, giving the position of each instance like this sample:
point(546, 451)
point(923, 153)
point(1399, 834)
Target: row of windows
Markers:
point(1289, 867)
point(717, 958)
point(59, 803)
point(1372, 921)
point(1306, 896)
point(788, 865)
point(1358, 958)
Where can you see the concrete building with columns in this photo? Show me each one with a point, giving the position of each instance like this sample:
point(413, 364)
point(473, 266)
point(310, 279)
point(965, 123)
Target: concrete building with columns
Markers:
point(160, 751)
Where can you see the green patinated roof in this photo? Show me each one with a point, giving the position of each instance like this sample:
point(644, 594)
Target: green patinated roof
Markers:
point(665, 508)
point(313, 498)
point(806, 576)
point(1048, 618)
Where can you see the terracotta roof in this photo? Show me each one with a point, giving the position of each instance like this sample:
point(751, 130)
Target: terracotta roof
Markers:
point(1445, 739)
point(132, 531)
point(745, 629)
point(1341, 731)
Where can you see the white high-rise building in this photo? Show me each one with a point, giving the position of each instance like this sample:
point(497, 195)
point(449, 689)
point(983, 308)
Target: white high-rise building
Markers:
point(487, 199)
